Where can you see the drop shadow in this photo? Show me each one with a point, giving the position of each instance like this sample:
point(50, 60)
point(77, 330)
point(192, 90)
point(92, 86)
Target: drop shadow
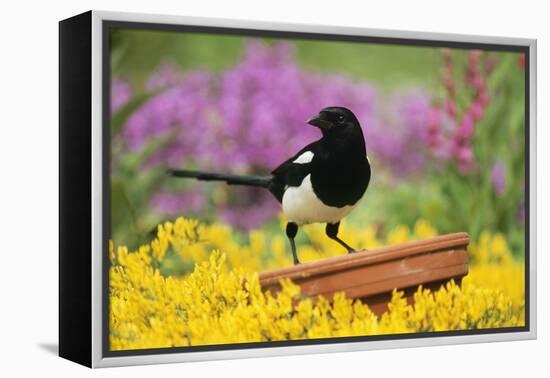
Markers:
point(51, 348)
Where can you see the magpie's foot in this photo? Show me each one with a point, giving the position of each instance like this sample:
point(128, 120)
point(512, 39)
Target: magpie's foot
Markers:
point(351, 250)
point(296, 262)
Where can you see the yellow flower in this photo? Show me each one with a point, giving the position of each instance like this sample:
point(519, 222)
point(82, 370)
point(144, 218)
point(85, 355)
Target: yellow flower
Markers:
point(423, 229)
point(398, 235)
point(221, 300)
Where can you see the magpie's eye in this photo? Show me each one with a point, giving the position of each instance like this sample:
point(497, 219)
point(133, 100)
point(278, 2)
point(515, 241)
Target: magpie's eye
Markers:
point(340, 119)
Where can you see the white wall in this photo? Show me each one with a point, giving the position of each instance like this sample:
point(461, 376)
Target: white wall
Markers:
point(28, 184)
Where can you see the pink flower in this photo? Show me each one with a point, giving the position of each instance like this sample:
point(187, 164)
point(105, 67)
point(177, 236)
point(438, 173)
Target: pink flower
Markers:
point(447, 55)
point(433, 119)
point(478, 82)
point(449, 83)
point(498, 177)
point(490, 63)
point(476, 110)
point(484, 98)
point(521, 61)
point(450, 107)
point(473, 57)
point(466, 128)
point(465, 159)
point(435, 140)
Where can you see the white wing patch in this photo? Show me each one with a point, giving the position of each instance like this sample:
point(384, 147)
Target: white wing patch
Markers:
point(301, 205)
point(304, 158)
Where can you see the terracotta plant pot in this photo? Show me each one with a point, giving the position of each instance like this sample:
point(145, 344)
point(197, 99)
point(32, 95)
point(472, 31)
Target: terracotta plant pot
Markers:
point(372, 275)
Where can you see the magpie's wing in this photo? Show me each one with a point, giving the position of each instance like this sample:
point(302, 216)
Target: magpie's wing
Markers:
point(292, 171)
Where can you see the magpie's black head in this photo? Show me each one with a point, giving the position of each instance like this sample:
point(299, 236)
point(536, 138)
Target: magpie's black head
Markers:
point(339, 123)
point(334, 119)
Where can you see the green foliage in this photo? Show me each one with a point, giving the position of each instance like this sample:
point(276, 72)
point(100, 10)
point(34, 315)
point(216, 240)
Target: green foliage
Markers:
point(131, 189)
point(137, 53)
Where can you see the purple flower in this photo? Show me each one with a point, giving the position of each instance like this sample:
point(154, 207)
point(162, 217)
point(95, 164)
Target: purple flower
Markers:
point(176, 203)
point(121, 93)
point(397, 133)
point(178, 112)
point(241, 214)
point(252, 117)
point(498, 177)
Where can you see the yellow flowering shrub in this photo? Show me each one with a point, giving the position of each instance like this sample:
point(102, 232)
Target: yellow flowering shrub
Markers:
point(492, 266)
point(221, 301)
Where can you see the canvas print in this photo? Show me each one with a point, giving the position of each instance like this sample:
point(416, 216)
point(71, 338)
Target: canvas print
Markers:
point(270, 190)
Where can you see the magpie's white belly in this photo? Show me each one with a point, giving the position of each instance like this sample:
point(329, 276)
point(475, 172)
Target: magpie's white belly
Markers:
point(301, 206)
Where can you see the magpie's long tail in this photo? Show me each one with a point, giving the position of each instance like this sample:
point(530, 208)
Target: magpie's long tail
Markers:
point(258, 181)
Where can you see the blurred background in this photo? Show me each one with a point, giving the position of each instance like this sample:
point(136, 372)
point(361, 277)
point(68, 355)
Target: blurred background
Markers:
point(444, 130)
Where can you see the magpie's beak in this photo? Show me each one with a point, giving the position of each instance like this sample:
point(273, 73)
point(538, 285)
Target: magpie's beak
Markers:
point(317, 121)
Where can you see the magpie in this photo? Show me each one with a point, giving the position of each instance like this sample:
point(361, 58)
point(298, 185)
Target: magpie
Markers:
point(322, 183)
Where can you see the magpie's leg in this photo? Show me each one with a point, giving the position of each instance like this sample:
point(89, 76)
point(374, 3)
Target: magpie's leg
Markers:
point(332, 232)
point(291, 231)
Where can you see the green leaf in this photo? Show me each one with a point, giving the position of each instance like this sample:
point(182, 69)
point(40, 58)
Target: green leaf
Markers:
point(122, 210)
point(132, 161)
point(117, 56)
point(501, 74)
